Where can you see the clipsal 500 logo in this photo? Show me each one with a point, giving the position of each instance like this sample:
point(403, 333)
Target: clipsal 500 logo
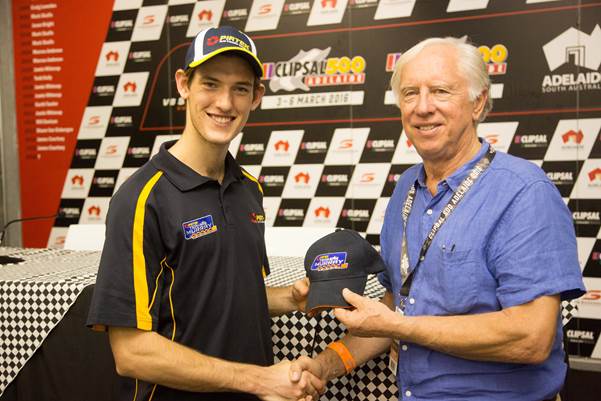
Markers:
point(314, 68)
point(495, 58)
point(579, 50)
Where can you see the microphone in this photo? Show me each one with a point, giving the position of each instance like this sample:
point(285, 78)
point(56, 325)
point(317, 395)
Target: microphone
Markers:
point(5, 259)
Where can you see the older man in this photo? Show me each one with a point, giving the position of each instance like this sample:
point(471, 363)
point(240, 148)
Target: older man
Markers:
point(480, 250)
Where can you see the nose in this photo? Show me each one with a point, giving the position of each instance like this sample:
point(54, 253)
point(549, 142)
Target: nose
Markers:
point(424, 104)
point(224, 100)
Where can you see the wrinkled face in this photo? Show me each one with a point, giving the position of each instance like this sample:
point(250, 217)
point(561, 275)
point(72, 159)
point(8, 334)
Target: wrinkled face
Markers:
point(219, 98)
point(436, 111)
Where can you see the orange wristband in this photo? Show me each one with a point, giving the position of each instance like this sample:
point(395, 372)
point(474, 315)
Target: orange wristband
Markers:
point(345, 355)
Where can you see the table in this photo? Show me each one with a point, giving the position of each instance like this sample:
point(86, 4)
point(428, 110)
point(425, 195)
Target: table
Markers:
point(44, 303)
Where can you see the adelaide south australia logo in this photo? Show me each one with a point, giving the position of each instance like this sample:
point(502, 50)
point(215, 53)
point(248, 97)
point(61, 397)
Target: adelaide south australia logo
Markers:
point(199, 227)
point(330, 261)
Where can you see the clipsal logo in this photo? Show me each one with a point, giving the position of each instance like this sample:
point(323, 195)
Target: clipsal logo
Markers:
point(596, 256)
point(579, 50)
point(104, 90)
point(530, 139)
point(322, 211)
point(111, 150)
point(94, 210)
point(271, 179)
point(302, 177)
point(282, 146)
point(355, 213)
point(112, 55)
point(391, 59)
point(495, 58)
point(140, 56)
point(104, 181)
point(393, 177)
point(122, 120)
point(138, 151)
point(122, 25)
point(130, 87)
point(367, 178)
point(314, 68)
point(580, 335)
point(297, 7)
point(335, 178)
point(594, 175)
point(380, 144)
point(314, 146)
point(235, 13)
point(560, 176)
point(86, 152)
point(69, 212)
point(252, 148)
point(205, 15)
point(573, 137)
point(94, 120)
point(178, 19)
point(586, 216)
point(77, 180)
point(291, 213)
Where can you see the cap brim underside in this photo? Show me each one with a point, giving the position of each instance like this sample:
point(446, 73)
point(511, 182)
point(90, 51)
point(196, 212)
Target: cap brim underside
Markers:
point(328, 294)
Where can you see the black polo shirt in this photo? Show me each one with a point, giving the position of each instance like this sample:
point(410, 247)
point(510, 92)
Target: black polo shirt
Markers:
point(185, 256)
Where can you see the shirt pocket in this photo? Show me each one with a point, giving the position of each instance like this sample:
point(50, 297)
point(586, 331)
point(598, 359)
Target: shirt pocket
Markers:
point(456, 281)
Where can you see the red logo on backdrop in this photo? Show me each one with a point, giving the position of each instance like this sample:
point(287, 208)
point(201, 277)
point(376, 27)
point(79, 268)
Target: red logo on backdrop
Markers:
point(302, 177)
point(149, 19)
point(265, 9)
point(111, 150)
point(112, 55)
point(130, 87)
point(94, 210)
point(409, 144)
point(212, 40)
point(346, 144)
point(592, 295)
point(493, 139)
point(332, 3)
point(595, 174)
point(367, 177)
point(93, 120)
point(322, 212)
point(573, 136)
point(282, 145)
point(77, 180)
point(205, 15)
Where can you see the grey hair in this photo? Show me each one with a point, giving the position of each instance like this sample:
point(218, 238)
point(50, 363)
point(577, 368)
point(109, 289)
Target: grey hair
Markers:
point(470, 63)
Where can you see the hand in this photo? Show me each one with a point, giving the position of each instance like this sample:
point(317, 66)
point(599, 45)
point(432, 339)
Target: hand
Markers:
point(370, 318)
point(299, 292)
point(277, 384)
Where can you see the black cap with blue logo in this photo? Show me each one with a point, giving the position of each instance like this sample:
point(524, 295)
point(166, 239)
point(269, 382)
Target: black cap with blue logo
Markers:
point(339, 260)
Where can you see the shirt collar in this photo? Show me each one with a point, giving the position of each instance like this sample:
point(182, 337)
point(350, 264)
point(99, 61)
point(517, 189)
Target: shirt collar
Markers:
point(183, 177)
point(455, 179)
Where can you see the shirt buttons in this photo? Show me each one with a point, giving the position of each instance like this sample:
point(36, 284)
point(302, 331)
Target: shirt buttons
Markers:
point(408, 393)
point(404, 347)
point(411, 301)
point(429, 212)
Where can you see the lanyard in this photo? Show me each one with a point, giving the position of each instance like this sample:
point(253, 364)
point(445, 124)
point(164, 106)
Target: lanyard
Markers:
point(462, 189)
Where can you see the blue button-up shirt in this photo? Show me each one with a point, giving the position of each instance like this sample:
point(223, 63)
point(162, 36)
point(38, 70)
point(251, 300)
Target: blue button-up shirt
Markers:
point(509, 241)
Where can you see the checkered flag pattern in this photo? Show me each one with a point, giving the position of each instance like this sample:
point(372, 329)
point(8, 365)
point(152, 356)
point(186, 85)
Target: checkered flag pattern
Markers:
point(34, 297)
point(569, 309)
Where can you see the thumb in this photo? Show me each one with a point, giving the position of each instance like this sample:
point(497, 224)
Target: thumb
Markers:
point(352, 298)
point(295, 372)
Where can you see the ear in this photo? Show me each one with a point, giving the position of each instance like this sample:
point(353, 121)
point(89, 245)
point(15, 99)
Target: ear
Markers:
point(257, 96)
point(479, 104)
point(181, 79)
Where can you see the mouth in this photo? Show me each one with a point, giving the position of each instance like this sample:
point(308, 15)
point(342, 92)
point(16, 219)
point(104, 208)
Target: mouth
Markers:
point(221, 119)
point(427, 128)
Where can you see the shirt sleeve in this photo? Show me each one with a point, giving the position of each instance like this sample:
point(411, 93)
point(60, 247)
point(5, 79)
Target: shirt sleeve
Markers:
point(132, 266)
point(533, 249)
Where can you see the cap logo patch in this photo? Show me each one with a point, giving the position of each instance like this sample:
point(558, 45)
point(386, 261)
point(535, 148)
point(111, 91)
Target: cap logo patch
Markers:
point(257, 218)
point(330, 261)
point(199, 227)
point(212, 40)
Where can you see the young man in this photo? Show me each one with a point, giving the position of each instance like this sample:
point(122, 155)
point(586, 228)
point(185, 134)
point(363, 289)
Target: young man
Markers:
point(180, 284)
point(480, 250)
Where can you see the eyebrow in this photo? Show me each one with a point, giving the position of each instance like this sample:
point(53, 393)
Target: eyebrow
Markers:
point(213, 79)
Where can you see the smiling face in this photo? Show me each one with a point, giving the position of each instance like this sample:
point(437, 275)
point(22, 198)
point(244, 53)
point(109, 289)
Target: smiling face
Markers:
point(219, 97)
point(437, 113)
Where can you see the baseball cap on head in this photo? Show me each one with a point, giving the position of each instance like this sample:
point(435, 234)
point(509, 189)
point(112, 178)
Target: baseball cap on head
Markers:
point(213, 41)
point(339, 260)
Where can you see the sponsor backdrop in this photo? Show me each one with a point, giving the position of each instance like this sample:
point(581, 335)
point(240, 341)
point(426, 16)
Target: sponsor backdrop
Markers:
point(326, 143)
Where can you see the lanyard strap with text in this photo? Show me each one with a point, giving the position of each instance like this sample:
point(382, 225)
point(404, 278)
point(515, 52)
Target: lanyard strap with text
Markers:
point(466, 184)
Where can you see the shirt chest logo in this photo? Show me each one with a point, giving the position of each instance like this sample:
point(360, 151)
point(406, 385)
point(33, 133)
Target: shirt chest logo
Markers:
point(257, 218)
point(199, 227)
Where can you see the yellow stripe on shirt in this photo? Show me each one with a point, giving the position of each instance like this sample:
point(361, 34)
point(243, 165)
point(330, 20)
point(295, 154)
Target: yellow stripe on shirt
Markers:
point(143, 318)
point(250, 177)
